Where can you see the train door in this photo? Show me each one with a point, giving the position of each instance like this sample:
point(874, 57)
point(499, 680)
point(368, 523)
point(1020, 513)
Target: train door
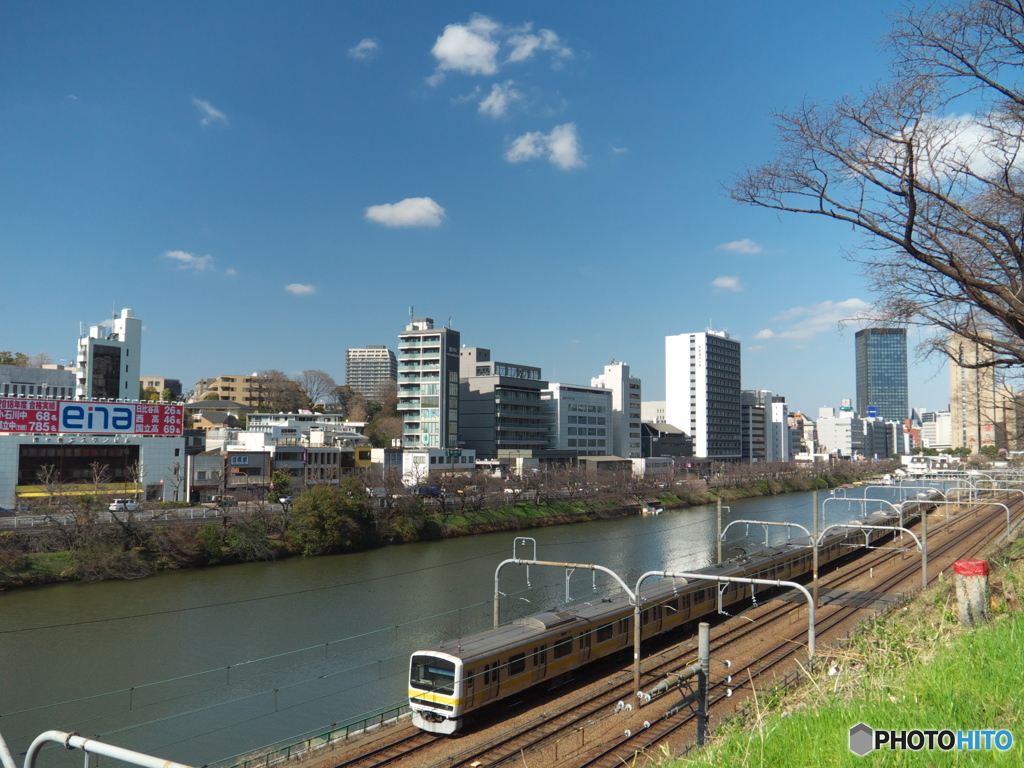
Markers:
point(585, 639)
point(625, 632)
point(650, 620)
point(540, 662)
point(489, 678)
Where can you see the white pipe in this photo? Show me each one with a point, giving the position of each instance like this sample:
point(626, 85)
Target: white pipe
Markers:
point(739, 579)
point(74, 741)
point(5, 754)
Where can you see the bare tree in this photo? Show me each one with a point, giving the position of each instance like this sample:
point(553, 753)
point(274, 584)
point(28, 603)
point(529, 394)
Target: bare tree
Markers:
point(278, 393)
point(177, 477)
point(318, 385)
point(72, 522)
point(927, 167)
point(386, 393)
point(99, 475)
point(38, 360)
point(357, 408)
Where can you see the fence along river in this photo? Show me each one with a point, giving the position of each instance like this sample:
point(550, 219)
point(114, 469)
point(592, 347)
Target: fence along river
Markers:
point(197, 666)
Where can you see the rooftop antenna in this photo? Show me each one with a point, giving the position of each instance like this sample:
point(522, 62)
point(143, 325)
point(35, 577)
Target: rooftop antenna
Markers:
point(410, 313)
point(449, 322)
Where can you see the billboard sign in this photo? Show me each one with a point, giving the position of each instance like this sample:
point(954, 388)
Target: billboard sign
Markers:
point(85, 417)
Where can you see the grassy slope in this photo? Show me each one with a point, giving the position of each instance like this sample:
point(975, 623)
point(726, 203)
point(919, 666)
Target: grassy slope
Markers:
point(915, 668)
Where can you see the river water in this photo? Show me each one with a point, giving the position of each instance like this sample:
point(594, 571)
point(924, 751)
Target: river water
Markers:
point(197, 666)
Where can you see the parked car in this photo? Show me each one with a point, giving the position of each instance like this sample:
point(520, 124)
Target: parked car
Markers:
point(286, 500)
point(124, 505)
point(7, 512)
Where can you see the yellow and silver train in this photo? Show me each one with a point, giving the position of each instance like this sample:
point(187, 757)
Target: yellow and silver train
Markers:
point(464, 675)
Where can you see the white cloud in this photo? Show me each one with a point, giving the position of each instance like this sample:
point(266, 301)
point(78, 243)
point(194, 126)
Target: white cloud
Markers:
point(727, 284)
point(210, 114)
point(231, 272)
point(525, 45)
point(367, 49)
point(466, 48)
point(189, 260)
point(805, 322)
point(561, 147)
point(298, 289)
point(473, 48)
point(411, 212)
point(502, 95)
point(745, 246)
point(471, 96)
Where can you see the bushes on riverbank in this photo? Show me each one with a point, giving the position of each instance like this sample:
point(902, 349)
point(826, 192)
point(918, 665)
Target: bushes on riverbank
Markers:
point(332, 519)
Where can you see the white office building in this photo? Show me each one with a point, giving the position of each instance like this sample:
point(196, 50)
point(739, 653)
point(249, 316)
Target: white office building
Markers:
point(779, 441)
point(109, 359)
point(625, 416)
point(937, 429)
point(702, 392)
point(578, 418)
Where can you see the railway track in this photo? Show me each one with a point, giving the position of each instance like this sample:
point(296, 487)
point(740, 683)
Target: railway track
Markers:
point(966, 542)
point(558, 729)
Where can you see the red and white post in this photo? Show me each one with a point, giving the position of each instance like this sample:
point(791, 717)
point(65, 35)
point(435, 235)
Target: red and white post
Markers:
point(971, 581)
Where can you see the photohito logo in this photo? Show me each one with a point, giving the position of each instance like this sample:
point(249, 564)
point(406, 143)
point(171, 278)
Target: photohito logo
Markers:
point(864, 739)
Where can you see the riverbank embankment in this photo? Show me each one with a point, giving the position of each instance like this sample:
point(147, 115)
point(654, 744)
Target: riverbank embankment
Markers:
point(335, 519)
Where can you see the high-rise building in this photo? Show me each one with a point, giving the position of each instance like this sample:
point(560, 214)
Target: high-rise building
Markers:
point(367, 368)
point(499, 406)
point(752, 407)
point(779, 438)
point(625, 418)
point(882, 373)
point(980, 407)
point(428, 385)
point(109, 359)
point(702, 392)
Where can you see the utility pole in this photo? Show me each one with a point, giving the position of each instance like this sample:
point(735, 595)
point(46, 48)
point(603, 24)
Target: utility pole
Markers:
point(814, 501)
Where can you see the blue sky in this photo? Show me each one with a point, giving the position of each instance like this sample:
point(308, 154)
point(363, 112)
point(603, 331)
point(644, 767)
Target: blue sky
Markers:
point(269, 184)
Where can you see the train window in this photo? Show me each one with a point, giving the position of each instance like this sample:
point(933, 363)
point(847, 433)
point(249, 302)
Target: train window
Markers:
point(517, 664)
point(543, 655)
point(487, 674)
point(604, 633)
point(470, 678)
point(563, 648)
point(430, 673)
point(672, 605)
point(585, 640)
point(686, 602)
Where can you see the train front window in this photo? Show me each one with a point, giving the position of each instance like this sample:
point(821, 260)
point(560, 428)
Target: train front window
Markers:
point(430, 673)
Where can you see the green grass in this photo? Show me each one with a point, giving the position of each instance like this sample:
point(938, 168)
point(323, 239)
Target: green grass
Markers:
point(968, 680)
point(48, 563)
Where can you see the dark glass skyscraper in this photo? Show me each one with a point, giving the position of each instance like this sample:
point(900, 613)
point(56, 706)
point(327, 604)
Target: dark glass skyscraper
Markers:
point(882, 373)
